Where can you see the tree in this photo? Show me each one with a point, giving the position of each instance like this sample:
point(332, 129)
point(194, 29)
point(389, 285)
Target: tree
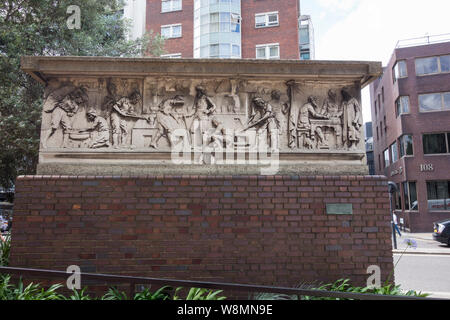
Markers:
point(39, 27)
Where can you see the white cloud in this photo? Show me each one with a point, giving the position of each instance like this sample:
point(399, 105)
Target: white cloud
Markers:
point(370, 30)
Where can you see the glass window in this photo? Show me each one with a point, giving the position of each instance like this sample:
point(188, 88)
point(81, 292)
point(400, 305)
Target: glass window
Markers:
point(214, 50)
point(273, 19)
point(399, 70)
point(406, 146)
point(261, 53)
point(446, 101)
point(305, 56)
point(214, 17)
point(386, 158)
point(274, 52)
point(394, 152)
point(269, 19)
point(410, 195)
point(438, 195)
point(176, 31)
point(172, 31)
point(225, 17)
point(427, 66)
point(445, 63)
point(225, 27)
point(170, 5)
point(430, 102)
point(434, 143)
point(304, 35)
point(214, 27)
point(402, 105)
point(225, 50)
point(236, 51)
point(268, 51)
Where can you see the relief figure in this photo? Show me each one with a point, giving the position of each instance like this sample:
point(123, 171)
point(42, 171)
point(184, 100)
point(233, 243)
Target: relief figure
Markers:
point(264, 120)
point(62, 111)
point(352, 120)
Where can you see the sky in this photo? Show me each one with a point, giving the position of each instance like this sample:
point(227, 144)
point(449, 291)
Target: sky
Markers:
point(368, 30)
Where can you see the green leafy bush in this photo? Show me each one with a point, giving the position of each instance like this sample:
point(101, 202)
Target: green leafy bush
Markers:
point(342, 285)
point(5, 247)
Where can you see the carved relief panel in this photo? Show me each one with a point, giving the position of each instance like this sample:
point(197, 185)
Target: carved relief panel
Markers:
point(154, 114)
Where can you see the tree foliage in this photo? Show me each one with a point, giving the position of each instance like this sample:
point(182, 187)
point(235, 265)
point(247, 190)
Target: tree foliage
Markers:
point(39, 27)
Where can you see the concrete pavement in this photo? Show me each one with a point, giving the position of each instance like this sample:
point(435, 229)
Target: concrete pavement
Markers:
point(425, 244)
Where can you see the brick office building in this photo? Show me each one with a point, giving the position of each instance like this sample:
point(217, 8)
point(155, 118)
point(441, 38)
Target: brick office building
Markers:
point(263, 29)
point(411, 127)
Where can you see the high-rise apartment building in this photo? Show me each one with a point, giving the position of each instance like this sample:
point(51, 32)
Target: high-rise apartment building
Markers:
point(262, 29)
point(411, 128)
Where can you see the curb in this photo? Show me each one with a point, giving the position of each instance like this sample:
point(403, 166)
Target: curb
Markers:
point(421, 252)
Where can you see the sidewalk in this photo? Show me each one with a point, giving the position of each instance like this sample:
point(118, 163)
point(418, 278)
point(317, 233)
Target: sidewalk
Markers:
point(426, 244)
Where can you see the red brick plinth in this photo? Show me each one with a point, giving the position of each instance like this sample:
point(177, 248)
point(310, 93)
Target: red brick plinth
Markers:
point(259, 230)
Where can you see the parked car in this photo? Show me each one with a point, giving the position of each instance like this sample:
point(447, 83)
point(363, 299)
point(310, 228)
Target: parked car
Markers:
point(442, 232)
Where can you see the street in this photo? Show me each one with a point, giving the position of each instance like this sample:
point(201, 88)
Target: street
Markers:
point(425, 268)
point(426, 273)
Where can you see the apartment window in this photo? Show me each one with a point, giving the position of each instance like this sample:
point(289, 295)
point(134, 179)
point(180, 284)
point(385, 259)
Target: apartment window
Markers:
point(171, 31)
point(394, 152)
point(445, 63)
point(434, 102)
point(381, 128)
point(402, 105)
point(437, 143)
point(268, 51)
point(379, 162)
point(398, 198)
point(410, 195)
point(170, 5)
point(376, 111)
point(268, 19)
point(220, 22)
point(399, 70)
point(382, 94)
point(171, 55)
point(432, 65)
point(438, 195)
point(427, 66)
point(378, 136)
point(385, 125)
point(386, 158)
point(406, 145)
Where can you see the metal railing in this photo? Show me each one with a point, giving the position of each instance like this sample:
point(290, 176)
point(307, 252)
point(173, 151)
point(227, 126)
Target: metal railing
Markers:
point(440, 38)
point(133, 281)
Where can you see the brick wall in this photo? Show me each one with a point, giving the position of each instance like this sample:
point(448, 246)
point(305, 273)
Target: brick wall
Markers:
point(259, 230)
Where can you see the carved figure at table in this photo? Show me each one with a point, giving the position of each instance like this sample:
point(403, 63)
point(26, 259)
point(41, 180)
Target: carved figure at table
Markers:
point(264, 120)
point(168, 119)
point(123, 111)
point(62, 111)
point(352, 120)
point(99, 130)
point(306, 132)
point(204, 108)
point(331, 107)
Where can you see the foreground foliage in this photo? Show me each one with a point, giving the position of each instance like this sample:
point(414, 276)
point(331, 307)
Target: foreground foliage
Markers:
point(5, 248)
point(11, 291)
point(343, 285)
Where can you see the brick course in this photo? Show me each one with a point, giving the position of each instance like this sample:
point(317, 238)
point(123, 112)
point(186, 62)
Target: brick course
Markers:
point(260, 230)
